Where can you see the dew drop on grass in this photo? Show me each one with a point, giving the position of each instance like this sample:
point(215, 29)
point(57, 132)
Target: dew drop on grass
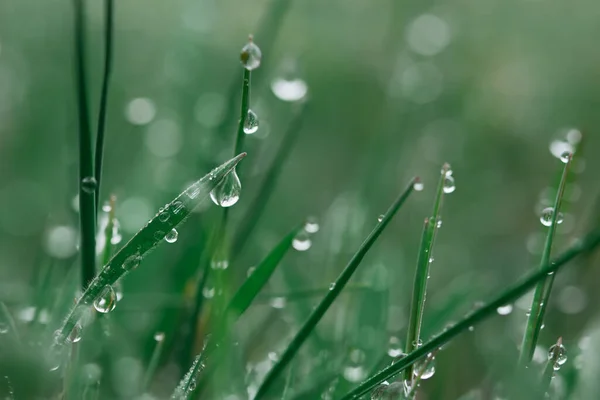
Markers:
point(355, 373)
point(557, 352)
point(332, 286)
point(250, 123)
point(171, 237)
point(278, 302)
point(3, 328)
point(428, 372)
point(75, 335)
point(208, 292)
point(380, 217)
point(219, 264)
point(250, 55)
point(312, 225)
point(159, 336)
point(163, 214)
point(449, 185)
point(89, 184)
point(394, 347)
point(418, 186)
point(505, 310)
point(302, 241)
point(227, 193)
point(106, 301)
point(547, 214)
point(566, 156)
point(132, 262)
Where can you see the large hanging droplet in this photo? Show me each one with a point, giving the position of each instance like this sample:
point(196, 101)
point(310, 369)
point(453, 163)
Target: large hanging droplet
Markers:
point(250, 123)
point(426, 373)
point(566, 156)
point(449, 185)
point(106, 301)
point(418, 186)
point(302, 241)
point(227, 193)
point(89, 184)
point(557, 352)
point(171, 237)
point(311, 225)
point(548, 214)
point(250, 55)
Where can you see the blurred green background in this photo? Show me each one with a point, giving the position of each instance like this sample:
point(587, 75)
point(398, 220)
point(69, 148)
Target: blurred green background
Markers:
point(395, 89)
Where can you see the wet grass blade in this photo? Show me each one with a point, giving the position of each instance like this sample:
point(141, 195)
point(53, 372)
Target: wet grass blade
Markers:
point(337, 287)
point(108, 56)
point(159, 337)
point(130, 255)
point(419, 375)
point(543, 289)
point(256, 208)
point(417, 305)
point(548, 372)
point(8, 323)
point(245, 106)
point(87, 182)
point(590, 242)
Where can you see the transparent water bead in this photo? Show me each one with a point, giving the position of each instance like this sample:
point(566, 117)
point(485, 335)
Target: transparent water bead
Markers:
point(312, 225)
point(505, 310)
point(289, 89)
point(429, 370)
point(390, 391)
point(208, 292)
point(219, 264)
point(89, 184)
point(227, 193)
point(394, 347)
point(250, 55)
point(106, 301)
point(302, 241)
point(355, 373)
point(557, 352)
point(418, 186)
point(171, 237)
point(3, 328)
point(75, 335)
point(250, 123)
point(547, 214)
point(449, 185)
point(159, 336)
point(278, 302)
point(559, 147)
point(566, 156)
point(380, 217)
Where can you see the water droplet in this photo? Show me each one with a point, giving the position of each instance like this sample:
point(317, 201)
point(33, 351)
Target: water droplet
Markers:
point(163, 214)
point(177, 206)
point(566, 156)
point(559, 147)
point(547, 214)
point(302, 241)
point(3, 328)
point(132, 262)
point(278, 302)
point(431, 259)
point(250, 55)
point(75, 335)
point(250, 123)
point(418, 186)
point(380, 218)
point(428, 372)
point(332, 286)
point(219, 264)
point(273, 356)
point(418, 343)
point(394, 349)
point(208, 292)
point(312, 225)
point(227, 193)
point(289, 89)
point(449, 185)
point(106, 207)
point(505, 310)
point(471, 328)
point(439, 223)
point(159, 336)
point(355, 373)
point(171, 237)
point(89, 184)
point(557, 352)
point(106, 301)
point(116, 232)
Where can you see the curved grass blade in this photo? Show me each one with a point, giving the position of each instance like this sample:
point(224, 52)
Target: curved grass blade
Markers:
point(543, 289)
point(8, 322)
point(590, 242)
point(108, 56)
point(417, 305)
point(130, 255)
point(329, 298)
point(256, 208)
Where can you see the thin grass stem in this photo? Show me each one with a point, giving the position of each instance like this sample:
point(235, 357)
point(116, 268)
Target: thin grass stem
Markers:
point(587, 244)
point(8, 321)
point(548, 372)
point(159, 337)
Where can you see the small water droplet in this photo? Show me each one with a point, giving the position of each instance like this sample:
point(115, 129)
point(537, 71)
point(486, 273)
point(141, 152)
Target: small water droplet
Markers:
point(355, 373)
point(219, 264)
point(449, 185)
point(171, 237)
point(332, 286)
point(250, 123)
point(106, 301)
point(557, 352)
point(89, 184)
point(380, 218)
point(547, 215)
point(3, 328)
point(159, 336)
point(116, 232)
point(431, 259)
point(302, 241)
point(418, 186)
point(106, 207)
point(192, 385)
point(178, 206)
point(250, 55)
point(132, 262)
point(75, 335)
point(312, 225)
point(471, 328)
point(394, 348)
point(273, 356)
point(418, 343)
point(278, 302)
point(566, 156)
point(439, 223)
point(505, 310)
point(428, 372)
point(208, 292)
point(227, 193)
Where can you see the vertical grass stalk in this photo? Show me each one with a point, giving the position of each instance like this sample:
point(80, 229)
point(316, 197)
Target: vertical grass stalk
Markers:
point(548, 372)
point(543, 289)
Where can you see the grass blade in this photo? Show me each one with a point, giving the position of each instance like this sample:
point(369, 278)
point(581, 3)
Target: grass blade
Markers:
point(542, 290)
point(108, 56)
point(548, 372)
point(417, 305)
point(87, 182)
point(329, 298)
point(590, 242)
point(130, 255)
point(8, 322)
point(159, 337)
point(261, 199)
point(245, 106)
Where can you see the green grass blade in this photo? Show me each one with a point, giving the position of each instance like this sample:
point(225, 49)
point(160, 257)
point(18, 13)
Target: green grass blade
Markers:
point(417, 305)
point(329, 298)
point(130, 255)
point(87, 182)
point(108, 232)
point(8, 322)
point(549, 369)
point(108, 56)
point(159, 337)
point(543, 289)
point(590, 242)
point(417, 381)
point(245, 106)
point(256, 208)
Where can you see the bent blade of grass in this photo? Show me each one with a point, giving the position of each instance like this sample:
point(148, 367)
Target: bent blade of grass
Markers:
point(417, 305)
point(543, 289)
point(587, 244)
point(108, 56)
point(130, 255)
point(337, 287)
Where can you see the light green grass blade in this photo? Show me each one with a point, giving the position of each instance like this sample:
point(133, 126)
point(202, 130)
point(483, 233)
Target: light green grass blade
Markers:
point(543, 289)
point(151, 235)
point(590, 242)
point(292, 349)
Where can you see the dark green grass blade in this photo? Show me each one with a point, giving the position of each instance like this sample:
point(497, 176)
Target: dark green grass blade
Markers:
point(417, 305)
point(8, 321)
point(543, 289)
point(108, 57)
point(87, 186)
point(590, 242)
point(245, 106)
point(256, 208)
point(130, 255)
point(329, 298)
